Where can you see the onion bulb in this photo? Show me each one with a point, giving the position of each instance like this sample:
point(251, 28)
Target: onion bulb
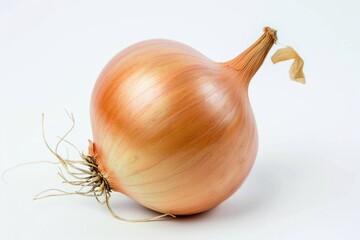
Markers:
point(174, 130)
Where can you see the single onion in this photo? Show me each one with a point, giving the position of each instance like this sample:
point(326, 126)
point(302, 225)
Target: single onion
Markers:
point(174, 130)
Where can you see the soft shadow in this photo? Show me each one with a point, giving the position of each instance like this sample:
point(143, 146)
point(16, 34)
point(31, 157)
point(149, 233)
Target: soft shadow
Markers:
point(259, 192)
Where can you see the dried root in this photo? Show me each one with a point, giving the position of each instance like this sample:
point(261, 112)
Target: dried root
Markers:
point(84, 174)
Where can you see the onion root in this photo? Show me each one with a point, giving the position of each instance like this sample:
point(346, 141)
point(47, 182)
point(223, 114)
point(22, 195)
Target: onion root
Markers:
point(86, 175)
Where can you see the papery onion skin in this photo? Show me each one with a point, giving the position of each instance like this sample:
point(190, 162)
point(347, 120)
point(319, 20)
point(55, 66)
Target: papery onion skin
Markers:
point(174, 130)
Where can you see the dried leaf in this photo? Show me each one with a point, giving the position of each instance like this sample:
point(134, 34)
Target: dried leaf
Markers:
point(296, 70)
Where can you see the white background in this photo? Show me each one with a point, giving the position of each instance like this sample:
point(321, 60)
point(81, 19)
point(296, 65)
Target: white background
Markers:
point(305, 183)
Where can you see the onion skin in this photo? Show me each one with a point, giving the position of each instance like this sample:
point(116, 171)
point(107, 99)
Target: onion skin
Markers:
point(174, 130)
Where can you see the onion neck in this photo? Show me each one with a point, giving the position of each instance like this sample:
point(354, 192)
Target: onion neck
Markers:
point(248, 62)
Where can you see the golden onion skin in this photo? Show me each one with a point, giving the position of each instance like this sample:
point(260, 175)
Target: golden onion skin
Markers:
point(174, 130)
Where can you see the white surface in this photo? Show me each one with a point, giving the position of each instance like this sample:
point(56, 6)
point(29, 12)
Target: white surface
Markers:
point(305, 183)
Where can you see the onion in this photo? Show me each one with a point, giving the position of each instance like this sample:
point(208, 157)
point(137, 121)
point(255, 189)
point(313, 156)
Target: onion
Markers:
point(174, 130)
